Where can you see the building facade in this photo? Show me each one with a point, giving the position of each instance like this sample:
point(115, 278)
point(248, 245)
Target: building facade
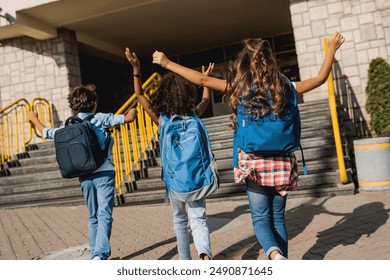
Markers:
point(47, 47)
point(366, 26)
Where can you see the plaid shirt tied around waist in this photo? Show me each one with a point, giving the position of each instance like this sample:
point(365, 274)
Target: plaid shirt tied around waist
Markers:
point(279, 171)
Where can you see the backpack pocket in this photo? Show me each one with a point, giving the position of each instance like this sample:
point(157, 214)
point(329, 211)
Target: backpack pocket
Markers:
point(74, 159)
point(270, 133)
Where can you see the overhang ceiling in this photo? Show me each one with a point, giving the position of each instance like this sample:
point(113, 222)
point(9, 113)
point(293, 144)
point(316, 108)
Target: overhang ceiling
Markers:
point(173, 26)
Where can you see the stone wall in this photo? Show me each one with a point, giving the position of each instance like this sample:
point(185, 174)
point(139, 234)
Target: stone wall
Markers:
point(31, 68)
point(366, 26)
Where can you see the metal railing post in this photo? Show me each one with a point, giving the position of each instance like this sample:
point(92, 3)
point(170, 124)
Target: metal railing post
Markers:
point(335, 123)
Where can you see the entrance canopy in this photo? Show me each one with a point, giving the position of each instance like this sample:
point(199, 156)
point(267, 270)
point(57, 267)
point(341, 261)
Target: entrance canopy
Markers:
point(173, 26)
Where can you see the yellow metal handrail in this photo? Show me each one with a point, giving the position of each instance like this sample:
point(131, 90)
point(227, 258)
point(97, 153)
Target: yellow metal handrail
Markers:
point(16, 132)
point(335, 123)
point(128, 158)
point(15, 129)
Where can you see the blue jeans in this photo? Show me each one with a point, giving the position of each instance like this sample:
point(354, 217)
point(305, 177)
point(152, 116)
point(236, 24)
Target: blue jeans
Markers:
point(267, 209)
point(200, 231)
point(98, 189)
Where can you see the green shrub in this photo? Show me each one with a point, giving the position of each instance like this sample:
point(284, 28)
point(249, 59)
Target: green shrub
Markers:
point(378, 95)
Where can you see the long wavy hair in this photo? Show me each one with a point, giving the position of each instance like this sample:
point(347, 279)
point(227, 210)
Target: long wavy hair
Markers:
point(174, 96)
point(254, 65)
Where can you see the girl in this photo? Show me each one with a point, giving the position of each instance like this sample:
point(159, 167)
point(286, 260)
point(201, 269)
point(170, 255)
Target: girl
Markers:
point(177, 96)
point(256, 65)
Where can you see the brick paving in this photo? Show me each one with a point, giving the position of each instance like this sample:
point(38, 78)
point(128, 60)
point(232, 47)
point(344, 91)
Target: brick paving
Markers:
point(350, 227)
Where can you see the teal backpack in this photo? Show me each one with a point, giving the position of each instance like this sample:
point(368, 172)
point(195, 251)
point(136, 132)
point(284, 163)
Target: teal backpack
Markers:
point(188, 165)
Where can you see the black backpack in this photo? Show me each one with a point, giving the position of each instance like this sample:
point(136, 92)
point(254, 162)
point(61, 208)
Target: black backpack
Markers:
point(78, 151)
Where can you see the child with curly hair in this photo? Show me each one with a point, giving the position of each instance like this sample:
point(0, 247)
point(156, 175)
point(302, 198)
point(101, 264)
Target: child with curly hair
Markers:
point(177, 96)
point(273, 175)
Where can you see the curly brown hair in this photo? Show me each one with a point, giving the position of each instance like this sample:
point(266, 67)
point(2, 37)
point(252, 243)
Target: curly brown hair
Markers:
point(255, 65)
point(83, 98)
point(174, 96)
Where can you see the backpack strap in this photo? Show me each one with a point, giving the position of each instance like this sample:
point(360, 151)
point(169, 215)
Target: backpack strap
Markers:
point(88, 119)
point(235, 150)
point(303, 161)
point(294, 93)
point(73, 120)
point(163, 119)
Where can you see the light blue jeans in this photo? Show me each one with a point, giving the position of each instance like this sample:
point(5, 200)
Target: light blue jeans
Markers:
point(267, 209)
point(98, 189)
point(200, 231)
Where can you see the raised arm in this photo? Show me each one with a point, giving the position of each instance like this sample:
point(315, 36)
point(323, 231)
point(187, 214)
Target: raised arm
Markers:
point(202, 106)
point(335, 41)
point(134, 61)
point(47, 133)
point(189, 74)
point(131, 115)
point(34, 119)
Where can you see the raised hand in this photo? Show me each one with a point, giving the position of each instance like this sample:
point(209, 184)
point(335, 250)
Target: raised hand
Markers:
point(132, 58)
point(336, 40)
point(160, 59)
point(209, 69)
point(131, 115)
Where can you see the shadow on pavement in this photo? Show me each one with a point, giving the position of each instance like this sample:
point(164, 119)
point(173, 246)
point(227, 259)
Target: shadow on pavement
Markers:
point(364, 220)
point(219, 220)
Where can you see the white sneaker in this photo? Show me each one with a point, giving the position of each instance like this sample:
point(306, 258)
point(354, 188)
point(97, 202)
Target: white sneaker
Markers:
point(279, 257)
point(97, 258)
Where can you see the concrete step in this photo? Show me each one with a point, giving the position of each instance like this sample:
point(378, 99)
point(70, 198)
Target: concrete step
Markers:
point(47, 166)
point(219, 140)
point(64, 201)
point(232, 190)
point(45, 159)
point(25, 184)
point(313, 142)
point(37, 186)
point(33, 168)
point(306, 181)
point(309, 153)
point(29, 178)
point(313, 166)
point(226, 191)
point(318, 122)
point(37, 181)
point(307, 110)
point(229, 191)
point(41, 196)
point(314, 178)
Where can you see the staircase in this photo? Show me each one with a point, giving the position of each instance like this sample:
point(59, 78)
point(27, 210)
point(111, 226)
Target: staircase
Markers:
point(36, 181)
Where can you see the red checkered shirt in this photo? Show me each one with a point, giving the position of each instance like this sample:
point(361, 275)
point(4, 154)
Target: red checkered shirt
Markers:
point(279, 171)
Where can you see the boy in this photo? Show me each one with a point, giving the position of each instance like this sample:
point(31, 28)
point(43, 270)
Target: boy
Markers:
point(97, 187)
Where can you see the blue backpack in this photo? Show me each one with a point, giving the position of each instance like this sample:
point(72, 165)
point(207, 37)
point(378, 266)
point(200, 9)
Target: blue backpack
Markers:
point(269, 134)
point(188, 165)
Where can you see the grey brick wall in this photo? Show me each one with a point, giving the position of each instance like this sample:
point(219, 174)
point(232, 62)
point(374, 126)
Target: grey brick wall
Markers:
point(366, 26)
point(31, 68)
